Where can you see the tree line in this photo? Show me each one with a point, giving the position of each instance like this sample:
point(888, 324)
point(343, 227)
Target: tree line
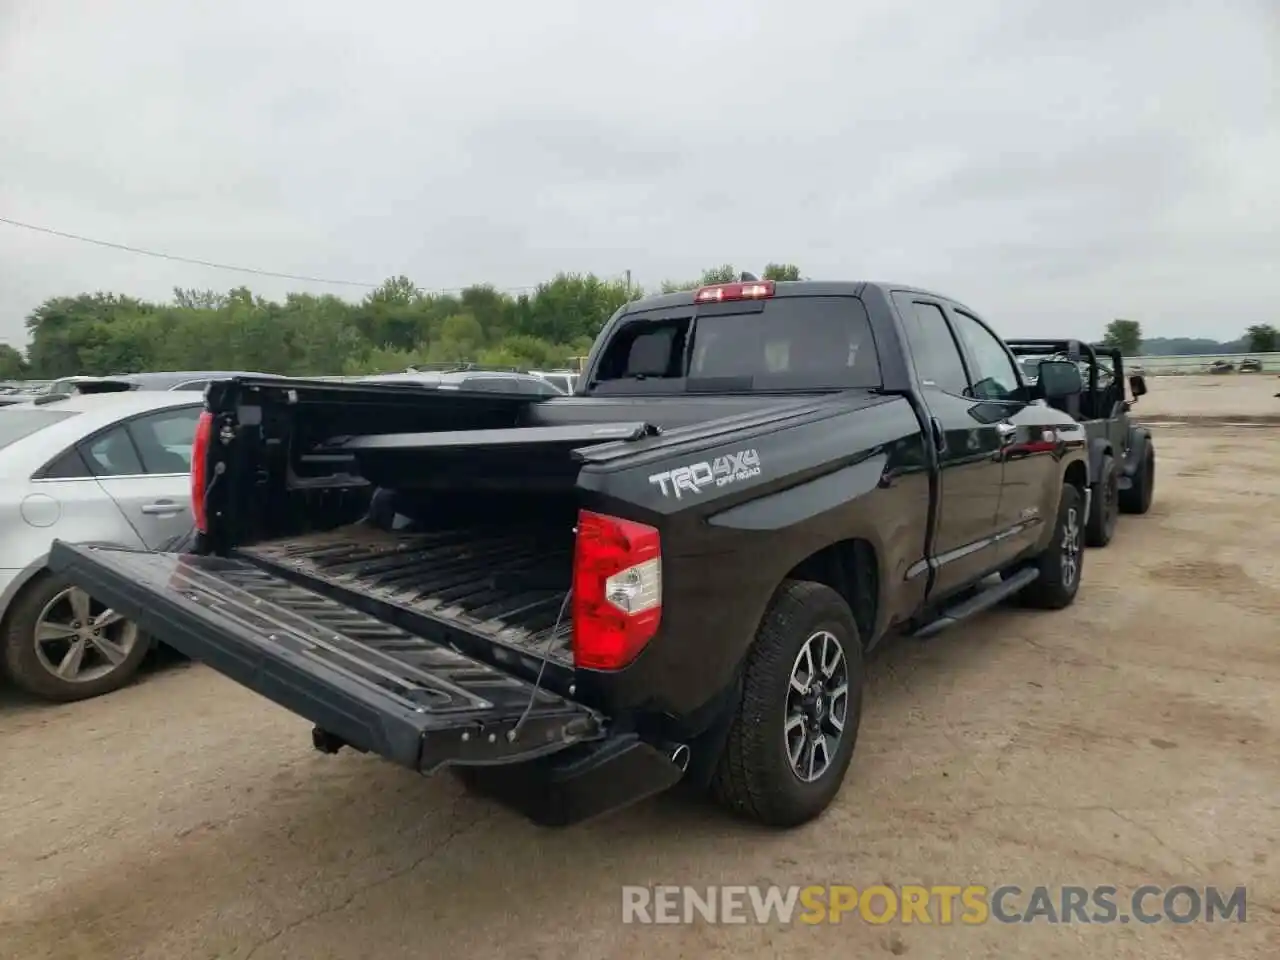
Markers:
point(1126, 335)
point(394, 326)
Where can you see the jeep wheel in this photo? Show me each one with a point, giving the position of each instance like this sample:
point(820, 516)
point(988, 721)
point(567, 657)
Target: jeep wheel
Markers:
point(1062, 561)
point(793, 735)
point(1104, 508)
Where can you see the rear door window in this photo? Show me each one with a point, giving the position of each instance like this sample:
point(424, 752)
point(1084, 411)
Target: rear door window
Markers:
point(933, 348)
point(163, 440)
point(112, 454)
point(70, 466)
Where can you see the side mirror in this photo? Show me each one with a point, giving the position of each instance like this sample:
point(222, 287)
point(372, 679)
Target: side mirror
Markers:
point(1138, 385)
point(1059, 379)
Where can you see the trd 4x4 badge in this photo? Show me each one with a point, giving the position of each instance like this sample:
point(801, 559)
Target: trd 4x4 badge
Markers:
point(696, 477)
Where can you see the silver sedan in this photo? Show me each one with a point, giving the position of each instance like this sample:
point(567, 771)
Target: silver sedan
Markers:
point(105, 468)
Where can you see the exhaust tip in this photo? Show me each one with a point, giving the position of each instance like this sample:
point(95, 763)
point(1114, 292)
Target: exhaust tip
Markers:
point(680, 756)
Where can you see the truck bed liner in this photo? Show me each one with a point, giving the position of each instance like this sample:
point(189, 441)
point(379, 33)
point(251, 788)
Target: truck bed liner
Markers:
point(508, 585)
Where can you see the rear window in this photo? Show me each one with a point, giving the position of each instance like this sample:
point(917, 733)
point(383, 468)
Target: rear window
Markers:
point(788, 343)
point(16, 424)
point(105, 386)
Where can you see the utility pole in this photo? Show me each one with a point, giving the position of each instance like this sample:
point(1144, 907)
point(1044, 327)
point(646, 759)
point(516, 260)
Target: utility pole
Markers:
point(628, 284)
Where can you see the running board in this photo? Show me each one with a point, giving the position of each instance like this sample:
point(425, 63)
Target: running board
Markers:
point(950, 616)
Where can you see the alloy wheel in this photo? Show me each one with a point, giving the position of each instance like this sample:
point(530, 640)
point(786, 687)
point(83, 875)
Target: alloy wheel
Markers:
point(79, 640)
point(1071, 547)
point(817, 705)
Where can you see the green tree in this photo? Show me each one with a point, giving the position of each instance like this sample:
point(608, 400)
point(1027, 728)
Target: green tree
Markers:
point(567, 307)
point(1262, 338)
point(675, 286)
point(61, 327)
point(726, 273)
point(1126, 335)
point(198, 299)
point(781, 271)
point(395, 325)
point(391, 315)
point(12, 366)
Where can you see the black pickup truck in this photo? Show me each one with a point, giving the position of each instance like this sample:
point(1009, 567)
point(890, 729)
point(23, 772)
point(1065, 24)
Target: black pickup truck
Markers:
point(674, 573)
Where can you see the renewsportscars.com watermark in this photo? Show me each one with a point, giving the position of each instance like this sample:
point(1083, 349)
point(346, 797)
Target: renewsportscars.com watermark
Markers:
point(969, 904)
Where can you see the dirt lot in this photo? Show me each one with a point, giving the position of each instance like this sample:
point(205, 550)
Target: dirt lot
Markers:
point(1132, 739)
point(1222, 397)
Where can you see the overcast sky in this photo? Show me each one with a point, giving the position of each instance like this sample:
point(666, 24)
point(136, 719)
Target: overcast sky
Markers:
point(1052, 164)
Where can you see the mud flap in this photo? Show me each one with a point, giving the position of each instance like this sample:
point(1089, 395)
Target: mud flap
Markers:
point(362, 682)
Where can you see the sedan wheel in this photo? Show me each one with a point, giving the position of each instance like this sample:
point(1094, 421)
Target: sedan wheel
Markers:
point(78, 640)
point(61, 644)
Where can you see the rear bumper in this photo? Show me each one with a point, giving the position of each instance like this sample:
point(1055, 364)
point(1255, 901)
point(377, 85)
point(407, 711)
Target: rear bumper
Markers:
point(569, 788)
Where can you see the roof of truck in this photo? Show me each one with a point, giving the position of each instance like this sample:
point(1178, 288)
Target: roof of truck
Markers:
point(787, 288)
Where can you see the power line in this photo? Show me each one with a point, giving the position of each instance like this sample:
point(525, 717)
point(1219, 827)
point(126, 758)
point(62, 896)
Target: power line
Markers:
point(171, 256)
point(227, 266)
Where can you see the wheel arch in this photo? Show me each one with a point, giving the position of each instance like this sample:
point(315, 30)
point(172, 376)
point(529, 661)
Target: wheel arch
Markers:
point(1077, 474)
point(1140, 441)
point(30, 573)
point(17, 585)
point(851, 568)
point(1099, 447)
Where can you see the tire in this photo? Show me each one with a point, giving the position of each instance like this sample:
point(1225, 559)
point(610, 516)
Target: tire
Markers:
point(1062, 562)
point(1137, 499)
point(755, 777)
point(32, 666)
point(1104, 508)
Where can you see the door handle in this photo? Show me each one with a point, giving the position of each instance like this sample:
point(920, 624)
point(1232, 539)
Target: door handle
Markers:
point(161, 508)
point(1007, 433)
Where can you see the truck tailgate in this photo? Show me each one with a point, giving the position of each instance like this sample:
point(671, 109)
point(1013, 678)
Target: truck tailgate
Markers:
point(373, 685)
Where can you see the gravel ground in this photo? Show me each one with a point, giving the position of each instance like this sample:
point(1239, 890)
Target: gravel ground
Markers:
point(1132, 739)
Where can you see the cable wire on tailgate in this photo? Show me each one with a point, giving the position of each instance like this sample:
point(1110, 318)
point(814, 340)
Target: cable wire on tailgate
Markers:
point(546, 655)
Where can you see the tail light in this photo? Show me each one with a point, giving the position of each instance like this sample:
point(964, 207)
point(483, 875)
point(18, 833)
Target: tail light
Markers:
point(747, 290)
point(617, 590)
point(200, 469)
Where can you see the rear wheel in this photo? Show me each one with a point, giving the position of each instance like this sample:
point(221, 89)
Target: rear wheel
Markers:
point(1061, 563)
point(1105, 504)
point(795, 728)
point(1137, 499)
point(61, 644)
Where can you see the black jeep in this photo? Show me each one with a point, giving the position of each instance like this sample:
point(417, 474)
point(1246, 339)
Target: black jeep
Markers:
point(1122, 457)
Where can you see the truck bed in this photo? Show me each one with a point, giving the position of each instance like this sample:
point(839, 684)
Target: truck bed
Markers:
point(508, 585)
